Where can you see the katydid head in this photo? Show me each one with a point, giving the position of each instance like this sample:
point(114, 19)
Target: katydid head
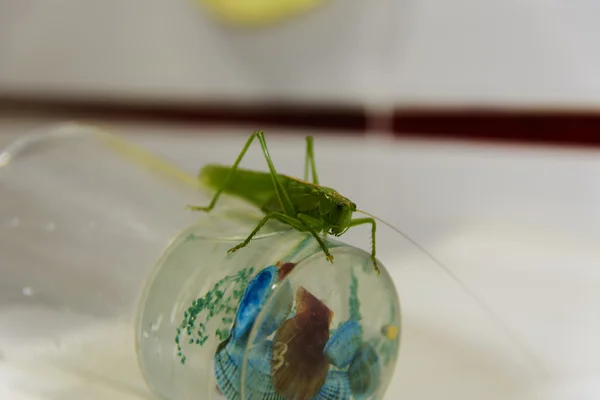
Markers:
point(336, 211)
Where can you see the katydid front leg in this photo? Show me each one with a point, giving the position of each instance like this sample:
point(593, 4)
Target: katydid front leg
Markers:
point(294, 223)
point(362, 221)
point(282, 195)
point(255, 231)
point(314, 226)
point(305, 223)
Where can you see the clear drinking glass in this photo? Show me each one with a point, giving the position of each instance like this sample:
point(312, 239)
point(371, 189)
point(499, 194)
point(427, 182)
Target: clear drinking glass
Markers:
point(111, 289)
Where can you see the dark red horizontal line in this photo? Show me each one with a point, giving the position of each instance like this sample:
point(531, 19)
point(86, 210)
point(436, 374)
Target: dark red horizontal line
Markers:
point(352, 119)
point(562, 128)
point(536, 127)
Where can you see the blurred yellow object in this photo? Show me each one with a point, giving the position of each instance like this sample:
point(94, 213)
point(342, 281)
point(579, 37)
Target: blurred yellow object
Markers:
point(258, 12)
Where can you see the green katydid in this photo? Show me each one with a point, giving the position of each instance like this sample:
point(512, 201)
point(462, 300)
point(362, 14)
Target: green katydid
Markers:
point(309, 207)
point(303, 205)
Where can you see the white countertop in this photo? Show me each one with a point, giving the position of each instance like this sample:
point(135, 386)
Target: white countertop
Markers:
point(519, 226)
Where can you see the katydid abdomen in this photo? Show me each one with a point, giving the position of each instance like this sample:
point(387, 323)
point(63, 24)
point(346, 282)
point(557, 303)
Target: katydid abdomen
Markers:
point(258, 189)
point(252, 186)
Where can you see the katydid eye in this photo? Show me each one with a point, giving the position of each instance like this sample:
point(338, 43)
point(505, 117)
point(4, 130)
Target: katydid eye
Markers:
point(339, 206)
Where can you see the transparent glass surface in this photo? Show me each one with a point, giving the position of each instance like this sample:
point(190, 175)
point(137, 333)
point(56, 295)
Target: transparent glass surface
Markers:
point(106, 278)
point(201, 311)
point(83, 218)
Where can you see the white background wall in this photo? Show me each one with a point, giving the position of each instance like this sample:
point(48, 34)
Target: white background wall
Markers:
point(535, 53)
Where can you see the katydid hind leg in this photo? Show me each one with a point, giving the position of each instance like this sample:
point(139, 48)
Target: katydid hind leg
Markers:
point(363, 221)
point(286, 203)
point(306, 160)
point(229, 176)
point(282, 194)
point(310, 161)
